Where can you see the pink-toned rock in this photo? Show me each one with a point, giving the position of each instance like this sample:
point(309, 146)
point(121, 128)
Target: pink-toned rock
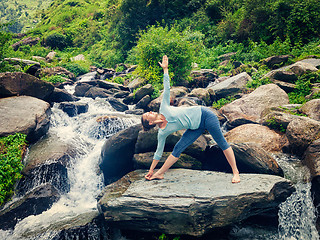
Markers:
point(312, 109)
point(268, 139)
point(250, 106)
point(301, 133)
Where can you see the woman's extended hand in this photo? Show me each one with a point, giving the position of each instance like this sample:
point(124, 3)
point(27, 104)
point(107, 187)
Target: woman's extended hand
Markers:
point(165, 62)
point(149, 175)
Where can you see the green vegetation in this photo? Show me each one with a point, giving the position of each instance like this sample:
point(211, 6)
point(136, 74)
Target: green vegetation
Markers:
point(273, 123)
point(153, 44)
point(12, 149)
point(24, 14)
point(223, 101)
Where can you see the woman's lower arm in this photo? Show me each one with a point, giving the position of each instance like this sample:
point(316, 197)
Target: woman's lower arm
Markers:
point(165, 71)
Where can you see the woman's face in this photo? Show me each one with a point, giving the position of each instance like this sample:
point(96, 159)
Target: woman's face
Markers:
point(150, 116)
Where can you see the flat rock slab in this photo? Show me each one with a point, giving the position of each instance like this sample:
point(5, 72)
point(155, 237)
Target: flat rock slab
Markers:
point(189, 201)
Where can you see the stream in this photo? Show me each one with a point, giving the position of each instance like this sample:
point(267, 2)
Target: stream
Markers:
point(297, 214)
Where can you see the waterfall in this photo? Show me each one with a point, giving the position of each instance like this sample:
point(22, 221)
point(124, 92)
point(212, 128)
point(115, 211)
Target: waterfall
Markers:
point(85, 180)
point(297, 215)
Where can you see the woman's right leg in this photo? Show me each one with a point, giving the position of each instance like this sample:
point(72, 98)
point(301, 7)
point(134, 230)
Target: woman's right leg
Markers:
point(212, 124)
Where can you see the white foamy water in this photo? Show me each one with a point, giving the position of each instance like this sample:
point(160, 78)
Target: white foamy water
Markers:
point(87, 136)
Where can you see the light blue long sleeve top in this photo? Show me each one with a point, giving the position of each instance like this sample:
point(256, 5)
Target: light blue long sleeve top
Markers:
point(178, 118)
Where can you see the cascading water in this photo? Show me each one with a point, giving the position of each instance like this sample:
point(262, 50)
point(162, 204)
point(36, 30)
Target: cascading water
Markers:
point(87, 136)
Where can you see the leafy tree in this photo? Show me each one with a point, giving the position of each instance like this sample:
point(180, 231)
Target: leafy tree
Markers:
point(158, 41)
point(57, 40)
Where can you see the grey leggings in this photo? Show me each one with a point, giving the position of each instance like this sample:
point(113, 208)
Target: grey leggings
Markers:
point(210, 122)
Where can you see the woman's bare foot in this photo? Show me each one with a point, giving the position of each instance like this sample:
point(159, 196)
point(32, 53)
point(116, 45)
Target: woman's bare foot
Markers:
point(156, 176)
point(236, 178)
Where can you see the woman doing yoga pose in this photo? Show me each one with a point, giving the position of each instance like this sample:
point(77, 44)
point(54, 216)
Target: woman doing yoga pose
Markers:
point(194, 119)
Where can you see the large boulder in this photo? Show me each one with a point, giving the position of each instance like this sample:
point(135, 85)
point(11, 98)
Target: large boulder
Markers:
point(117, 104)
point(250, 158)
point(18, 83)
point(147, 142)
point(249, 107)
point(46, 162)
point(312, 109)
point(300, 68)
point(24, 114)
point(117, 153)
point(231, 86)
point(22, 62)
point(35, 202)
point(268, 139)
point(301, 133)
point(144, 160)
point(189, 202)
point(61, 95)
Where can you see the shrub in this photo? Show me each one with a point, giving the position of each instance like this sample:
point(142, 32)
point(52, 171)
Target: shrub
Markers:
point(55, 79)
point(12, 149)
point(57, 40)
point(156, 42)
point(75, 68)
point(223, 101)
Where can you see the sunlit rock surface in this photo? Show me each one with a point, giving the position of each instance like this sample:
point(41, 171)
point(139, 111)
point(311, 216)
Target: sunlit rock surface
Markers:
point(189, 201)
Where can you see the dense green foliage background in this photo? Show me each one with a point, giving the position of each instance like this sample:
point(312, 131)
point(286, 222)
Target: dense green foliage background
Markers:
point(109, 32)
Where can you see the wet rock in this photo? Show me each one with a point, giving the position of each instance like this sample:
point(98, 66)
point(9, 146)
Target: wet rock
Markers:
point(46, 162)
point(134, 111)
point(121, 94)
point(188, 101)
point(117, 153)
point(18, 83)
point(74, 108)
point(147, 142)
point(268, 139)
point(117, 104)
point(143, 103)
point(250, 106)
point(312, 109)
point(35, 202)
point(201, 78)
point(143, 91)
point(313, 61)
point(250, 157)
point(112, 85)
point(61, 95)
point(90, 76)
point(24, 114)
point(311, 158)
point(201, 93)
point(95, 92)
point(144, 160)
point(231, 86)
point(81, 89)
point(301, 133)
point(189, 202)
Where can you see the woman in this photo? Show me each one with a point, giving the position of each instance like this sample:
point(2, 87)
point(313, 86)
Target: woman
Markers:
point(195, 119)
